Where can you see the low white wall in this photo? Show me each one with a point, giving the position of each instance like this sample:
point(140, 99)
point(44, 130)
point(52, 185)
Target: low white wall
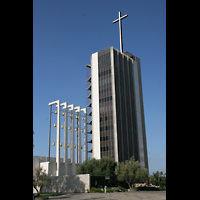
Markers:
point(50, 167)
point(45, 166)
point(76, 183)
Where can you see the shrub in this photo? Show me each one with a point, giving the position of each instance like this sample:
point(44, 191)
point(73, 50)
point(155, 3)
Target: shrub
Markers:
point(162, 188)
point(92, 190)
point(122, 189)
point(109, 189)
point(147, 188)
point(96, 190)
point(100, 190)
point(115, 189)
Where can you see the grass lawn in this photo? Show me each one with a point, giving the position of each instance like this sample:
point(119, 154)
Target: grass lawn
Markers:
point(48, 194)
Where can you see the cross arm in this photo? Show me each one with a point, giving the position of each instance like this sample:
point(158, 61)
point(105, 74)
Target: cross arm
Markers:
point(115, 21)
point(124, 16)
point(120, 18)
point(54, 102)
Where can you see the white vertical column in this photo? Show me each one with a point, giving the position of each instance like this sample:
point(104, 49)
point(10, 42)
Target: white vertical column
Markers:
point(58, 140)
point(85, 134)
point(57, 137)
point(72, 138)
point(65, 153)
point(65, 135)
point(79, 134)
point(95, 107)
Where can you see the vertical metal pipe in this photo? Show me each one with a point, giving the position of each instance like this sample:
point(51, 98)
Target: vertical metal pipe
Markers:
point(65, 150)
point(49, 134)
point(78, 111)
point(72, 138)
point(85, 134)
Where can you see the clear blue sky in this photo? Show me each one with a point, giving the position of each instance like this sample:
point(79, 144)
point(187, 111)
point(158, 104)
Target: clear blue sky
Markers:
point(67, 32)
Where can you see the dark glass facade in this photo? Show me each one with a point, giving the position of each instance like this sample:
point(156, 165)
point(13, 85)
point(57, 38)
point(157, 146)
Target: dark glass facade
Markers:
point(125, 108)
point(105, 104)
point(131, 136)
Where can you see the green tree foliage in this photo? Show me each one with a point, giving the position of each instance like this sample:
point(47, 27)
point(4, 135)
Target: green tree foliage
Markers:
point(131, 172)
point(158, 179)
point(41, 179)
point(104, 167)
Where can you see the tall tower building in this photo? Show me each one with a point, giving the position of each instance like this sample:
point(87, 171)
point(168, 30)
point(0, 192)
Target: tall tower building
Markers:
point(117, 111)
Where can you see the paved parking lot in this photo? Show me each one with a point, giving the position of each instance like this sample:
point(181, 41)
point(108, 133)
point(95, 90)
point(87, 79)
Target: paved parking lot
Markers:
point(135, 195)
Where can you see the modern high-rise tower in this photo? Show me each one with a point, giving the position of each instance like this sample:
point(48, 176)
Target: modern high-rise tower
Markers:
point(117, 111)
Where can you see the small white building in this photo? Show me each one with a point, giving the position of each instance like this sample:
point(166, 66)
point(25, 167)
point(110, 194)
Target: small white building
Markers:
point(50, 167)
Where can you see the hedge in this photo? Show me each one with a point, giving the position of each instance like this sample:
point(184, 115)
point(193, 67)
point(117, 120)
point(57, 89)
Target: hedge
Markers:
point(109, 189)
point(147, 188)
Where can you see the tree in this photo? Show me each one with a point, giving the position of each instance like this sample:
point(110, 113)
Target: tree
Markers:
point(131, 172)
point(108, 167)
point(158, 179)
point(89, 167)
point(154, 178)
point(41, 179)
point(163, 180)
point(104, 167)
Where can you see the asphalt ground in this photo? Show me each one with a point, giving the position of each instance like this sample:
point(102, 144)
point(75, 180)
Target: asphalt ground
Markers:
point(134, 195)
